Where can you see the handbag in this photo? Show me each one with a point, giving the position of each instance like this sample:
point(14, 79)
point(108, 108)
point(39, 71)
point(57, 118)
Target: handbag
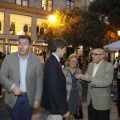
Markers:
point(79, 112)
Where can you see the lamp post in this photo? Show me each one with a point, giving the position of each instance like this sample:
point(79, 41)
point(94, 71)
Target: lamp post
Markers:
point(51, 21)
point(118, 33)
point(51, 18)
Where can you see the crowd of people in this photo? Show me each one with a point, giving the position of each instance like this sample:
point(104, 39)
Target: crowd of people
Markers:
point(57, 89)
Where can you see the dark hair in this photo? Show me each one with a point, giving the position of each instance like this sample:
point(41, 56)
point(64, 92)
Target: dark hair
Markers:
point(25, 37)
point(57, 43)
point(1, 55)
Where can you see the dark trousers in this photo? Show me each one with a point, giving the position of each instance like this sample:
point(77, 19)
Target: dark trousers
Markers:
point(94, 114)
point(118, 85)
point(0, 89)
point(22, 110)
point(118, 100)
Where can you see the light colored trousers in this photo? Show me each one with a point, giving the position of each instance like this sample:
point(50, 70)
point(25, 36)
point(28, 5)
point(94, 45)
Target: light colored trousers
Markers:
point(55, 117)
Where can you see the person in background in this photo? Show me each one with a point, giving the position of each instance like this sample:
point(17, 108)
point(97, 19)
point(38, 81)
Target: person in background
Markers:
point(117, 74)
point(21, 75)
point(99, 76)
point(1, 60)
point(73, 85)
point(54, 84)
point(44, 54)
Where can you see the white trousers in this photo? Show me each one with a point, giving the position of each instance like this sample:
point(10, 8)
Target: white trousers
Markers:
point(55, 117)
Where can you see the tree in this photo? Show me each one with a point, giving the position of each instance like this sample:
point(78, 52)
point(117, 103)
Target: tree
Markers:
point(78, 27)
point(109, 11)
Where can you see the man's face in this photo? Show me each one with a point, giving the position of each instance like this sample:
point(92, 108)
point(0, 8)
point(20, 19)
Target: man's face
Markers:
point(61, 52)
point(23, 47)
point(97, 56)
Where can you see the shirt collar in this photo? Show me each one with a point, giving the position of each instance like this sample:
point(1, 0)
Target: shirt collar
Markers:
point(98, 63)
point(25, 58)
point(58, 59)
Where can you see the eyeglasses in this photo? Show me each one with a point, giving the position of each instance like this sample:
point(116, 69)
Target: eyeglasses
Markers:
point(95, 54)
point(73, 61)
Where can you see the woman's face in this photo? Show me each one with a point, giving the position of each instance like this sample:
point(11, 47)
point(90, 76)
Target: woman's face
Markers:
point(73, 62)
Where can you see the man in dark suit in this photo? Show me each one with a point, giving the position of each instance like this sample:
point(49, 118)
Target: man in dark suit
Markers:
point(54, 84)
point(21, 74)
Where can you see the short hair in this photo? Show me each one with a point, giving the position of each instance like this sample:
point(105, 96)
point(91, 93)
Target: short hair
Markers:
point(57, 43)
point(101, 51)
point(70, 57)
point(25, 37)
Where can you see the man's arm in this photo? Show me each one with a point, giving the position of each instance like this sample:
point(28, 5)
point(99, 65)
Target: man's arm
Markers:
point(4, 73)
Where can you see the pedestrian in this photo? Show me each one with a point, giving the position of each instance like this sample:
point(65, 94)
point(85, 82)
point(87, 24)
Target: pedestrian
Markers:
point(44, 54)
point(1, 60)
point(21, 75)
point(54, 84)
point(99, 76)
point(117, 74)
point(73, 85)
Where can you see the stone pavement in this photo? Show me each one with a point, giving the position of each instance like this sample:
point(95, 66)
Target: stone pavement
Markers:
point(4, 109)
point(113, 114)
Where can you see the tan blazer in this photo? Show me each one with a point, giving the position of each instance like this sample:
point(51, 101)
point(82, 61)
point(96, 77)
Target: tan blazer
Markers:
point(10, 75)
point(99, 89)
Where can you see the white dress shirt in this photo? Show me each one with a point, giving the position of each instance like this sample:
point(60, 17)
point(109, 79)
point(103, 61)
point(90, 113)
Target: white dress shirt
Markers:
point(23, 68)
point(96, 68)
point(58, 59)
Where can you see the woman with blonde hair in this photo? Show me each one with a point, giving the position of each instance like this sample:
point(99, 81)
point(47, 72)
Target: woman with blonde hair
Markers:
point(73, 85)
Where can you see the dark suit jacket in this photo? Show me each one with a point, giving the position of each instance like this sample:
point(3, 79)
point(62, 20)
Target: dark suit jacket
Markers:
point(54, 88)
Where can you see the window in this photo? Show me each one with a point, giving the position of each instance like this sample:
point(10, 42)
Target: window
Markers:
point(22, 2)
point(25, 3)
point(47, 5)
point(1, 22)
point(70, 4)
point(18, 26)
point(18, 2)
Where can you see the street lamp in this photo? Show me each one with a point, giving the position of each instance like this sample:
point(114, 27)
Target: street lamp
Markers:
point(119, 33)
point(51, 18)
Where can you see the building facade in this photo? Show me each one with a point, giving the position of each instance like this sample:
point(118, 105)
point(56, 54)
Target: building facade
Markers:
point(19, 17)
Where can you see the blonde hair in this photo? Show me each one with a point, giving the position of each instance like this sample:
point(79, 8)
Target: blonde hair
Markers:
point(70, 57)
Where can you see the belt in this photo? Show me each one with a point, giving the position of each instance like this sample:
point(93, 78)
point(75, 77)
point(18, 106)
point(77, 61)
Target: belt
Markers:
point(23, 93)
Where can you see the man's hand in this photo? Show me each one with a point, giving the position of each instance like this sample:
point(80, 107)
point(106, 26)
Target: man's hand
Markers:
point(79, 76)
point(36, 103)
point(87, 77)
point(16, 90)
point(66, 115)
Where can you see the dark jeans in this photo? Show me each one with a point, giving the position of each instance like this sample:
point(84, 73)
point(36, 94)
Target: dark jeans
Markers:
point(94, 114)
point(118, 100)
point(118, 85)
point(22, 110)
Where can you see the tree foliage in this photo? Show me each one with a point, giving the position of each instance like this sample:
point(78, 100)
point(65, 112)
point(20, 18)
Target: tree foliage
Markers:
point(78, 27)
point(109, 11)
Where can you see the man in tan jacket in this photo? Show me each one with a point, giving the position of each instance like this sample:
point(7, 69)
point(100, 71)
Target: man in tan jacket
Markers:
point(21, 74)
point(99, 77)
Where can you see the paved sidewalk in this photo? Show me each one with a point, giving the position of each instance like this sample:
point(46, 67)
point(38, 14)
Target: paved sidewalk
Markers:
point(113, 114)
point(4, 109)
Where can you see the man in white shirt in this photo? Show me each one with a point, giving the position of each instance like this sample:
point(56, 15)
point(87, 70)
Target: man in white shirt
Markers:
point(21, 74)
point(117, 70)
point(54, 98)
point(99, 77)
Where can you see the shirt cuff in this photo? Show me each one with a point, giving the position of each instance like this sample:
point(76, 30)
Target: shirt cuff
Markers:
point(12, 87)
